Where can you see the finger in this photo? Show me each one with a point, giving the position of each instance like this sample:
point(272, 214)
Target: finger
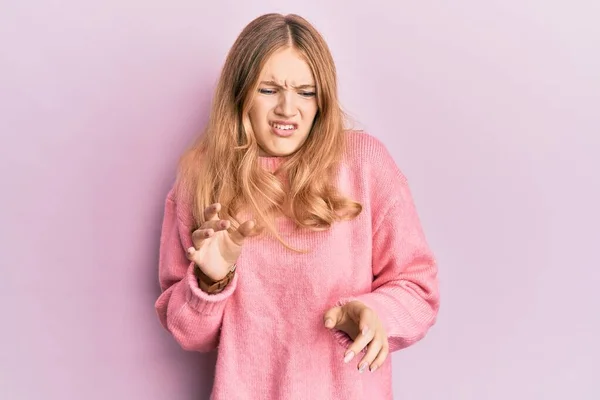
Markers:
point(242, 232)
point(190, 253)
point(212, 212)
point(361, 341)
point(333, 317)
point(357, 346)
point(216, 225)
point(373, 349)
point(199, 235)
point(383, 353)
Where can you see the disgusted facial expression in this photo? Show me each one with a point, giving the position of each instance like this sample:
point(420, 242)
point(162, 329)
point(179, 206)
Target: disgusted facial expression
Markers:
point(284, 108)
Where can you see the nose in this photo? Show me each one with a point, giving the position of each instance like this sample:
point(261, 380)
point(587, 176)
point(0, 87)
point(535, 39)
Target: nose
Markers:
point(285, 105)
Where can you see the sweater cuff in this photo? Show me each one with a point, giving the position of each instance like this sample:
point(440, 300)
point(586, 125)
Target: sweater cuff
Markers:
point(205, 303)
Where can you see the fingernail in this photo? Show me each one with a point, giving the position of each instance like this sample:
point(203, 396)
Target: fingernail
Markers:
point(365, 330)
point(362, 367)
point(349, 356)
point(329, 323)
point(373, 368)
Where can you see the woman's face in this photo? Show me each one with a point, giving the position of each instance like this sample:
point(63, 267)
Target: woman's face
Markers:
point(283, 111)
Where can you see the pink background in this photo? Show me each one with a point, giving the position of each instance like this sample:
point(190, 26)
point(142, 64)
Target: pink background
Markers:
point(491, 108)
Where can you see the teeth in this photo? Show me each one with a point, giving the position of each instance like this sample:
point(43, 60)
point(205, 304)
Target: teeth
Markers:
point(283, 127)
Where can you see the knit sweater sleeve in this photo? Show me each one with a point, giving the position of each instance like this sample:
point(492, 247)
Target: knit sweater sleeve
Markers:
point(404, 292)
point(191, 315)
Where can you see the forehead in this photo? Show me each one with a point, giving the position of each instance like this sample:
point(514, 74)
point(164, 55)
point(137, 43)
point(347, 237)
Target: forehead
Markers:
point(286, 66)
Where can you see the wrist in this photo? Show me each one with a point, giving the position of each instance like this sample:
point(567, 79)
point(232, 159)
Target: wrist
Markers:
point(210, 285)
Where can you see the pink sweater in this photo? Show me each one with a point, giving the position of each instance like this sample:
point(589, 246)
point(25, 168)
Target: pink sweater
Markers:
point(267, 325)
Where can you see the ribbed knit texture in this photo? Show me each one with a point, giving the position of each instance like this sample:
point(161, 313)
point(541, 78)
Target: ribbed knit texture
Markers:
point(267, 325)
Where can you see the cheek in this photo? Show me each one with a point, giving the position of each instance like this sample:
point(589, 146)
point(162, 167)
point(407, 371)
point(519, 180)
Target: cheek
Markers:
point(310, 111)
point(259, 113)
point(255, 117)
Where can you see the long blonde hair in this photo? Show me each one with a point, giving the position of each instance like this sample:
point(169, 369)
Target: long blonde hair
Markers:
point(223, 164)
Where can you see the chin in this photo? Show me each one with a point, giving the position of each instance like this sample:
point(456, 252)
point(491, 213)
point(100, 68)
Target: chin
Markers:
point(277, 150)
point(280, 152)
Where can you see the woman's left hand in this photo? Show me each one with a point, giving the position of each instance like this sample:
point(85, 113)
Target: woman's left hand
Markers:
point(366, 330)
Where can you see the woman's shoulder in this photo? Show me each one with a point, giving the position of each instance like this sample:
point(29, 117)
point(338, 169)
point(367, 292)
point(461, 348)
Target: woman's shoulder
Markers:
point(179, 202)
point(365, 151)
point(360, 140)
point(371, 165)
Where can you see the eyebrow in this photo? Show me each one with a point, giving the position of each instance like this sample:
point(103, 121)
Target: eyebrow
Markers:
point(273, 83)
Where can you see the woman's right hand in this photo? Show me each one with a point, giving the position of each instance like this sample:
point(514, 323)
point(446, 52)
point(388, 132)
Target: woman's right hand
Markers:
point(215, 250)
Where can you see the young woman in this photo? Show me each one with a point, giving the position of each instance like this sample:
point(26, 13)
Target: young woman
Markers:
point(291, 245)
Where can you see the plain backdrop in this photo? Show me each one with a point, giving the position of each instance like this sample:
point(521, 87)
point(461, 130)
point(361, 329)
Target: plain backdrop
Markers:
point(491, 108)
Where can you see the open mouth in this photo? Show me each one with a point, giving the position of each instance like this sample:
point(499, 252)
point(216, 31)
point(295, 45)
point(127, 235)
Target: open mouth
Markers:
point(283, 129)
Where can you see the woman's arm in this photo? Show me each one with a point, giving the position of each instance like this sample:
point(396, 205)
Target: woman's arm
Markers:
point(405, 292)
point(192, 316)
point(405, 289)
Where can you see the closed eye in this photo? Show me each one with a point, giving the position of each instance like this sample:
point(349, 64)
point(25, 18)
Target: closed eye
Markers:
point(273, 91)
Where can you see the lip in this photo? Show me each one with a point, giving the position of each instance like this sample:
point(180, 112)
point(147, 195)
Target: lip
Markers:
point(282, 132)
point(282, 122)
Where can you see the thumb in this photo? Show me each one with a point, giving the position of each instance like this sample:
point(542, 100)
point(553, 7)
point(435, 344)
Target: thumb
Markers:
point(333, 317)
